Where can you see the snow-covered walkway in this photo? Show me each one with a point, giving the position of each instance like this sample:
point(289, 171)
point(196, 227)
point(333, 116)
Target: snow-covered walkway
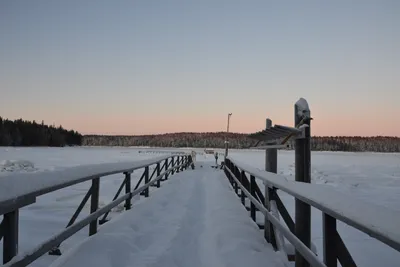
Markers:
point(194, 219)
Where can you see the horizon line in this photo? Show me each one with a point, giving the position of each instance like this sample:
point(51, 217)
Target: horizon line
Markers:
point(237, 133)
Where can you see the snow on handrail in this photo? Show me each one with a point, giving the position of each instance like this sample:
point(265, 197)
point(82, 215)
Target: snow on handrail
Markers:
point(377, 221)
point(17, 190)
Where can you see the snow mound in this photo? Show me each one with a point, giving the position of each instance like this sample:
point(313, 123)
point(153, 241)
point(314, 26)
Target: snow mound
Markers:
point(17, 166)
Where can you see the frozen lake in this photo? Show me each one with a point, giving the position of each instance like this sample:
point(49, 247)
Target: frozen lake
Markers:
point(372, 177)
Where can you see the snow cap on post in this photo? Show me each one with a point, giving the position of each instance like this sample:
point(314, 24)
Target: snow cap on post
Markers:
point(302, 111)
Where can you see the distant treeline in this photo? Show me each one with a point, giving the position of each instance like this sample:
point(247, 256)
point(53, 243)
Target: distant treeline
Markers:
point(27, 133)
point(240, 141)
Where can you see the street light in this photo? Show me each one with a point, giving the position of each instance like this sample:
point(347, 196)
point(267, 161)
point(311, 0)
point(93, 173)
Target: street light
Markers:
point(226, 140)
point(229, 116)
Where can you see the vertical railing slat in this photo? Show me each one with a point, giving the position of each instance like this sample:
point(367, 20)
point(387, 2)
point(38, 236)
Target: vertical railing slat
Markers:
point(329, 240)
point(146, 181)
point(166, 168)
point(94, 204)
point(253, 193)
point(128, 201)
point(158, 174)
point(10, 237)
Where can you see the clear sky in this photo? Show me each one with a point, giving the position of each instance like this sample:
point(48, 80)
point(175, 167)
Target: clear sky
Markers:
point(139, 67)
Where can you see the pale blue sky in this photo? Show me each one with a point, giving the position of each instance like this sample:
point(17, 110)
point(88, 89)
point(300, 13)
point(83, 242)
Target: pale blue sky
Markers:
point(132, 67)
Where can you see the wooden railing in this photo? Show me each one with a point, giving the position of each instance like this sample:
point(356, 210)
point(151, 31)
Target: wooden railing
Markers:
point(21, 190)
point(376, 221)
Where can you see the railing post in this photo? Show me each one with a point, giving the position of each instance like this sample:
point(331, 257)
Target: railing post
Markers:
point(173, 165)
point(146, 181)
point(183, 161)
point(229, 174)
point(253, 193)
point(166, 168)
point(178, 162)
point(329, 241)
point(232, 168)
point(128, 203)
point(10, 242)
point(303, 174)
point(271, 165)
point(190, 162)
point(237, 175)
point(158, 174)
point(94, 204)
point(186, 162)
point(229, 166)
point(242, 195)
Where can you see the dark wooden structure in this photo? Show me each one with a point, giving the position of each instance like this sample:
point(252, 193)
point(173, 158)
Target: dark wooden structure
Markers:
point(10, 205)
point(334, 205)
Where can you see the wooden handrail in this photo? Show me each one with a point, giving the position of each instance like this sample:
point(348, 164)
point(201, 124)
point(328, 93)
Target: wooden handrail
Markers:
point(46, 182)
point(383, 225)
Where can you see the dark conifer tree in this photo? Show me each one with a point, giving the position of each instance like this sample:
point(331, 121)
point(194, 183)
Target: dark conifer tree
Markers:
point(26, 133)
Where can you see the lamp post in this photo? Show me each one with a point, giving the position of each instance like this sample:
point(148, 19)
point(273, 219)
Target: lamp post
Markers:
point(226, 141)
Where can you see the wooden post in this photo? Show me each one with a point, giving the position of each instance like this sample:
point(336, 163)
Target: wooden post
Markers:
point(128, 203)
point(253, 193)
point(166, 168)
point(146, 181)
point(237, 175)
point(94, 204)
point(173, 165)
point(158, 174)
point(303, 174)
point(184, 162)
point(329, 241)
point(231, 167)
point(271, 165)
point(242, 195)
point(10, 242)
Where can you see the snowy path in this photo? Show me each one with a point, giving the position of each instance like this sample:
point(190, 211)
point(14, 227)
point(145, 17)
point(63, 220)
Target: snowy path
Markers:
point(194, 219)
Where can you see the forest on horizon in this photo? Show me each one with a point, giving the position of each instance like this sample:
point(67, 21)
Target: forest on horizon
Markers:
point(29, 133)
point(26, 133)
point(242, 141)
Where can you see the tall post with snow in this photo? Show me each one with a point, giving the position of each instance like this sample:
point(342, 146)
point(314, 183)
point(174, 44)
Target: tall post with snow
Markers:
point(271, 165)
point(302, 118)
point(226, 141)
point(271, 154)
